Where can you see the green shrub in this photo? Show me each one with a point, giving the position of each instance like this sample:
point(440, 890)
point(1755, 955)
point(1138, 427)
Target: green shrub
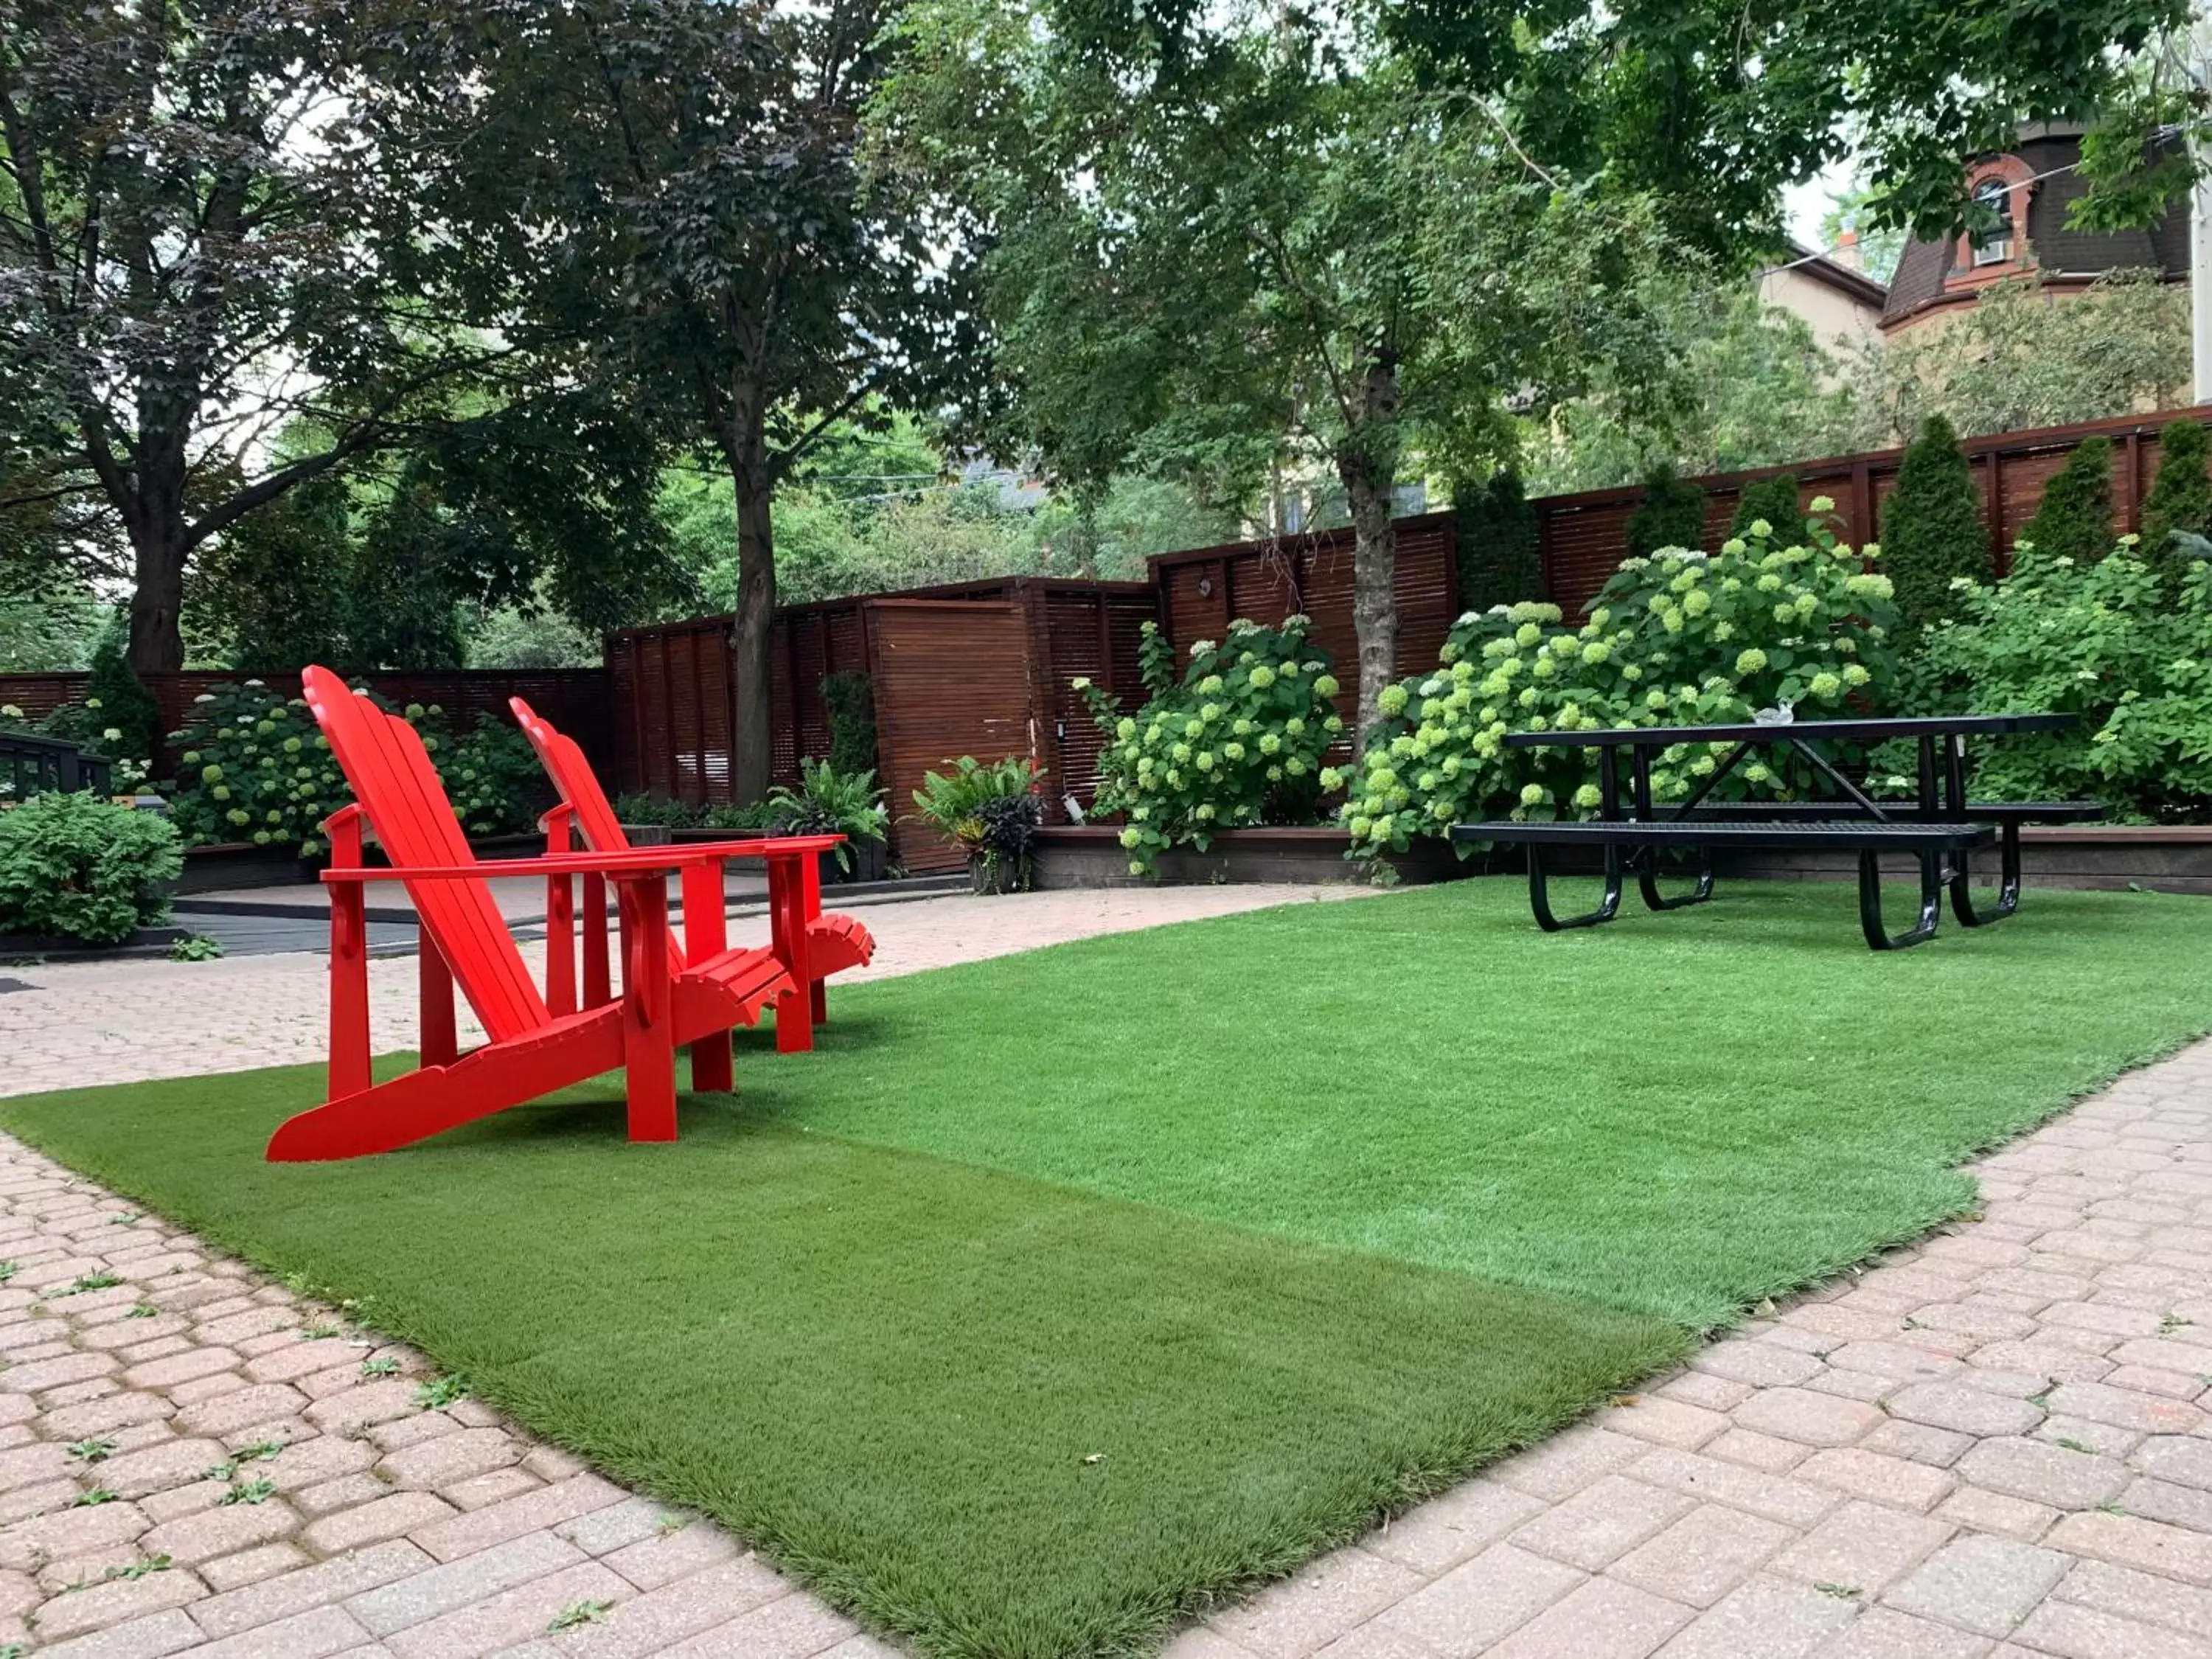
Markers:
point(1496, 532)
point(2073, 521)
point(1774, 499)
point(2103, 639)
point(493, 777)
point(83, 868)
point(2179, 502)
point(1237, 742)
point(850, 698)
point(1671, 514)
point(828, 802)
point(1932, 532)
point(649, 810)
point(723, 815)
point(1679, 640)
point(953, 803)
point(127, 708)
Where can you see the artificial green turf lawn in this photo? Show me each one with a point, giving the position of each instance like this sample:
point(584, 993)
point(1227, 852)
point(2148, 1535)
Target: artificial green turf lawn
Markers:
point(1674, 1113)
point(888, 1370)
point(877, 1314)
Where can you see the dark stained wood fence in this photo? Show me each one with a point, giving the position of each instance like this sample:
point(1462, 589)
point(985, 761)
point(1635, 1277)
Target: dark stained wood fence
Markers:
point(1583, 537)
point(1202, 590)
point(574, 699)
point(672, 701)
point(952, 678)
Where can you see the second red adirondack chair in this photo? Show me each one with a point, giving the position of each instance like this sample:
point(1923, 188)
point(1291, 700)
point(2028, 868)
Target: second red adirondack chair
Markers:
point(810, 946)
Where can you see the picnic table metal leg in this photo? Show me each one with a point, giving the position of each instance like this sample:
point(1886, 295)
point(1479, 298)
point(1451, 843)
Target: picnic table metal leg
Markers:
point(1878, 938)
point(1647, 882)
point(1962, 895)
point(1539, 899)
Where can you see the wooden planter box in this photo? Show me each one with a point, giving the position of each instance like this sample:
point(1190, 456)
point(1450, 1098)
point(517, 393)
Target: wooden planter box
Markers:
point(1093, 856)
point(143, 942)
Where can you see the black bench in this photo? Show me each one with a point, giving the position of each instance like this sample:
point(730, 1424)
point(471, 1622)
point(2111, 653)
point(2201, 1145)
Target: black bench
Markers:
point(2007, 815)
point(1940, 849)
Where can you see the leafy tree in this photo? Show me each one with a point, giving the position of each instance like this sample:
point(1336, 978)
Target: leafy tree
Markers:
point(188, 258)
point(1738, 383)
point(1671, 514)
point(2026, 355)
point(1713, 105)
point(2179, 499)
point(2073, 521)
point(527, 637)
point(1218, 245)
point(1776, 501)
point(1931, 526)
point(1499, 559)
point(676, 182)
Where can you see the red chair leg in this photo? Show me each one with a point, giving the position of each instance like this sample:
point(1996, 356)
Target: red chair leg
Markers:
point(648, 1023)
point(441, 1038)
point(786, 903)
point(706, 931)
point(597, 989)
point(348, 1066)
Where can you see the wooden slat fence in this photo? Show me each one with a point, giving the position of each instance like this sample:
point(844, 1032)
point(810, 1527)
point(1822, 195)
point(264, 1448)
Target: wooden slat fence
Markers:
point(1202, 590)
point(674, 717)
point(1583, 537)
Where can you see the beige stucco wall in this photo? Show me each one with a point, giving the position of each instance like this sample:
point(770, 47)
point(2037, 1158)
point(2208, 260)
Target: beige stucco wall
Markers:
point(1838, 322)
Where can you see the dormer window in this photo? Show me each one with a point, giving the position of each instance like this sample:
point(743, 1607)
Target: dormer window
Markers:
point(1992, 245)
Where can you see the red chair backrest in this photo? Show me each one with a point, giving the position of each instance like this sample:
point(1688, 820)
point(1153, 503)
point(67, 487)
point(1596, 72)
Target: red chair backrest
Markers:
point(573, 776)
point(384, 759)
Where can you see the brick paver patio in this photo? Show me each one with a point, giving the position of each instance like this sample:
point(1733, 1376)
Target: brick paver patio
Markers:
point(1994, 1445)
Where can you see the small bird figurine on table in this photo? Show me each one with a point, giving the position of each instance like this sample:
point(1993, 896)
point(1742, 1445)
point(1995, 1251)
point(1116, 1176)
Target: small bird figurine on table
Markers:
point(1780, 714)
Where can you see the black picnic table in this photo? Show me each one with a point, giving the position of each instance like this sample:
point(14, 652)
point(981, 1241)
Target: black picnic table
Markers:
point(1937, 825)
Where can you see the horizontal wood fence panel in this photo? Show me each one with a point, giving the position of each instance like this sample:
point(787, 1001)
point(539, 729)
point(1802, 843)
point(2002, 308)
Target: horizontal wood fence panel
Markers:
point(1583, 537)
point(1202, 590)
point(951, 678)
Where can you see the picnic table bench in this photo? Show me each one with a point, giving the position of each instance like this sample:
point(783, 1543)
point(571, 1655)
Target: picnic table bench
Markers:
point(1938, 826)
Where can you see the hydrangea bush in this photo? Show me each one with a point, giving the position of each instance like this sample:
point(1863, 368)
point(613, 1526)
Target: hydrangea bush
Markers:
point(85, 723)
point(251, 767)
point(1676, 639)
point(2109, 640)
point(1237, 741)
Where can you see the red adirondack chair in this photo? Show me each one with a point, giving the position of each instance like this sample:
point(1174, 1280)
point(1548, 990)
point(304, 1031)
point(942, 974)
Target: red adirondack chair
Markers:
point(537, 1044)
point(809, 944)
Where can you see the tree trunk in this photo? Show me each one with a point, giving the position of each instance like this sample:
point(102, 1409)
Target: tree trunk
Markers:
point(1366, 462)
point(157, 600)
point(752, 737)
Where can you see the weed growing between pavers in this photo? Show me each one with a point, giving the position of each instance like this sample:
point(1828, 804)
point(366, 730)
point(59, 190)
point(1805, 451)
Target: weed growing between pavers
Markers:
point(892, 1315)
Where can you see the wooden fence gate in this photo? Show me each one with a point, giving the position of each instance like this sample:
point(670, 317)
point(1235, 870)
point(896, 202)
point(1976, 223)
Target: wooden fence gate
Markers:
point(951, 678)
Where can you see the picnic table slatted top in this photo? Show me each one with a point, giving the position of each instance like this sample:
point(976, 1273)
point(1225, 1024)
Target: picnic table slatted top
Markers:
point(1933, 725)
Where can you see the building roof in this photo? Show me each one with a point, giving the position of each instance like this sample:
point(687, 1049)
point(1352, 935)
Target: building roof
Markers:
point(1855, 285)
point(2059, 251)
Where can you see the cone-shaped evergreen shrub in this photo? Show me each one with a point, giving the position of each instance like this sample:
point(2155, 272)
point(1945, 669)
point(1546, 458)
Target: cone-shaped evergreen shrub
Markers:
point(1774, 499)
point(2075, 518)
point(1931, 526)
point(1671, 514)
